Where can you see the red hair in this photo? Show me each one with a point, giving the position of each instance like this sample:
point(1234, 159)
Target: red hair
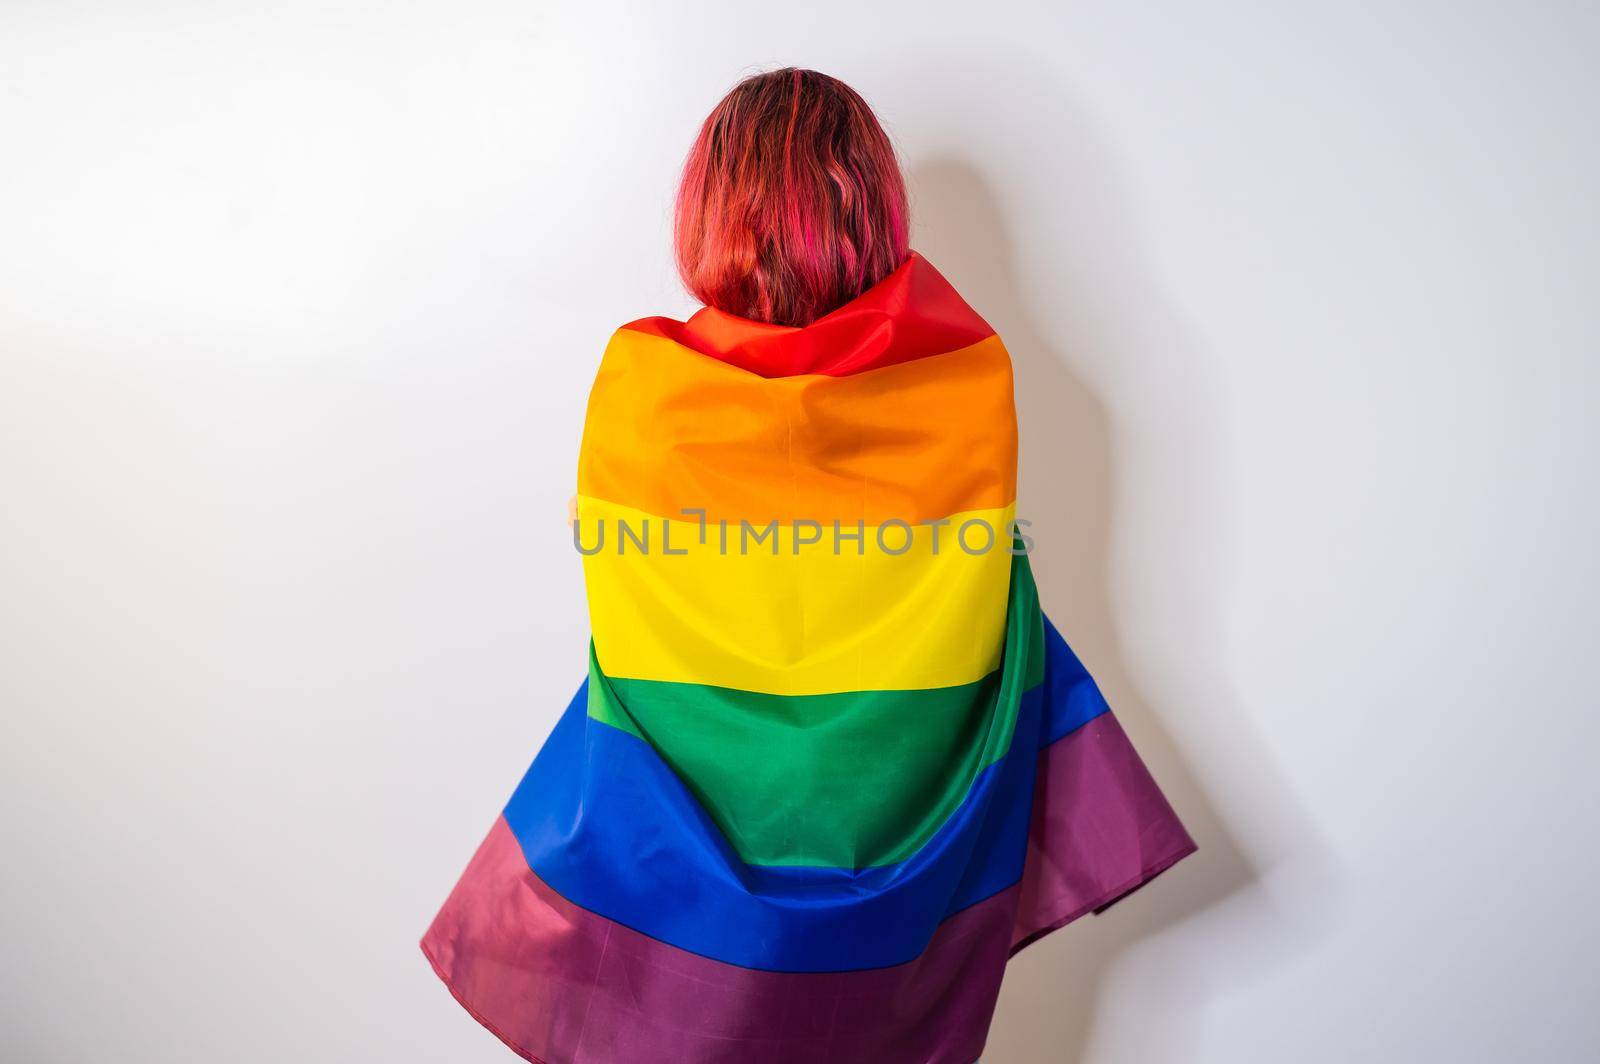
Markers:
point(792, 203)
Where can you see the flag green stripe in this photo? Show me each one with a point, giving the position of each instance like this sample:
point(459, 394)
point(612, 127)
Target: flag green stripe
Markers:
point(845, 780)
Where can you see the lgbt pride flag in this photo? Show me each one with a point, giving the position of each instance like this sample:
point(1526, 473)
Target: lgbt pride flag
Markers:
point(831, 766)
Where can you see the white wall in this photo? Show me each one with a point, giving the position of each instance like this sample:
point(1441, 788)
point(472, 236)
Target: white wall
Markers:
point(298, 308)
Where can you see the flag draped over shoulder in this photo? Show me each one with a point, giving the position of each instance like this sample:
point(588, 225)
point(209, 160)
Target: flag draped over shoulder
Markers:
point(831, 766)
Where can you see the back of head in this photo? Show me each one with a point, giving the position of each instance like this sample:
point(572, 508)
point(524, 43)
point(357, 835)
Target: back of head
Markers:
point(792, 202)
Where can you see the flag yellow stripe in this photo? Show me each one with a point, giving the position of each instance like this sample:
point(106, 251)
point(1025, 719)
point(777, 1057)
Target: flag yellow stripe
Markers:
point(913, 610)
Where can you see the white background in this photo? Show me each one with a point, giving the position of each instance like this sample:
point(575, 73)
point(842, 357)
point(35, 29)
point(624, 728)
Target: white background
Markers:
point(299, 305)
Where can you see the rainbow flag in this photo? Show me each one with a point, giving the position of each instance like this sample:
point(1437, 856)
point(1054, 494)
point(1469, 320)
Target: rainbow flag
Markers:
point(831, 765)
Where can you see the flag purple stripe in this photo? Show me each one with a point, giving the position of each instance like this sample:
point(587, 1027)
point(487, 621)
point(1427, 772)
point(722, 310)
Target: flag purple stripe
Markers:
point(560, 984)
point(1101, 829)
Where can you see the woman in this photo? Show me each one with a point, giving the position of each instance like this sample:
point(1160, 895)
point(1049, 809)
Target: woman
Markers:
point(831, 766)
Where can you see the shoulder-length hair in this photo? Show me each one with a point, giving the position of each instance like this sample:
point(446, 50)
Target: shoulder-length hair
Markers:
point(792, 202)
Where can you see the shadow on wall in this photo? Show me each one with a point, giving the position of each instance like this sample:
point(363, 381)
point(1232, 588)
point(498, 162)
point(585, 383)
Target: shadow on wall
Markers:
point(1221, 924)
